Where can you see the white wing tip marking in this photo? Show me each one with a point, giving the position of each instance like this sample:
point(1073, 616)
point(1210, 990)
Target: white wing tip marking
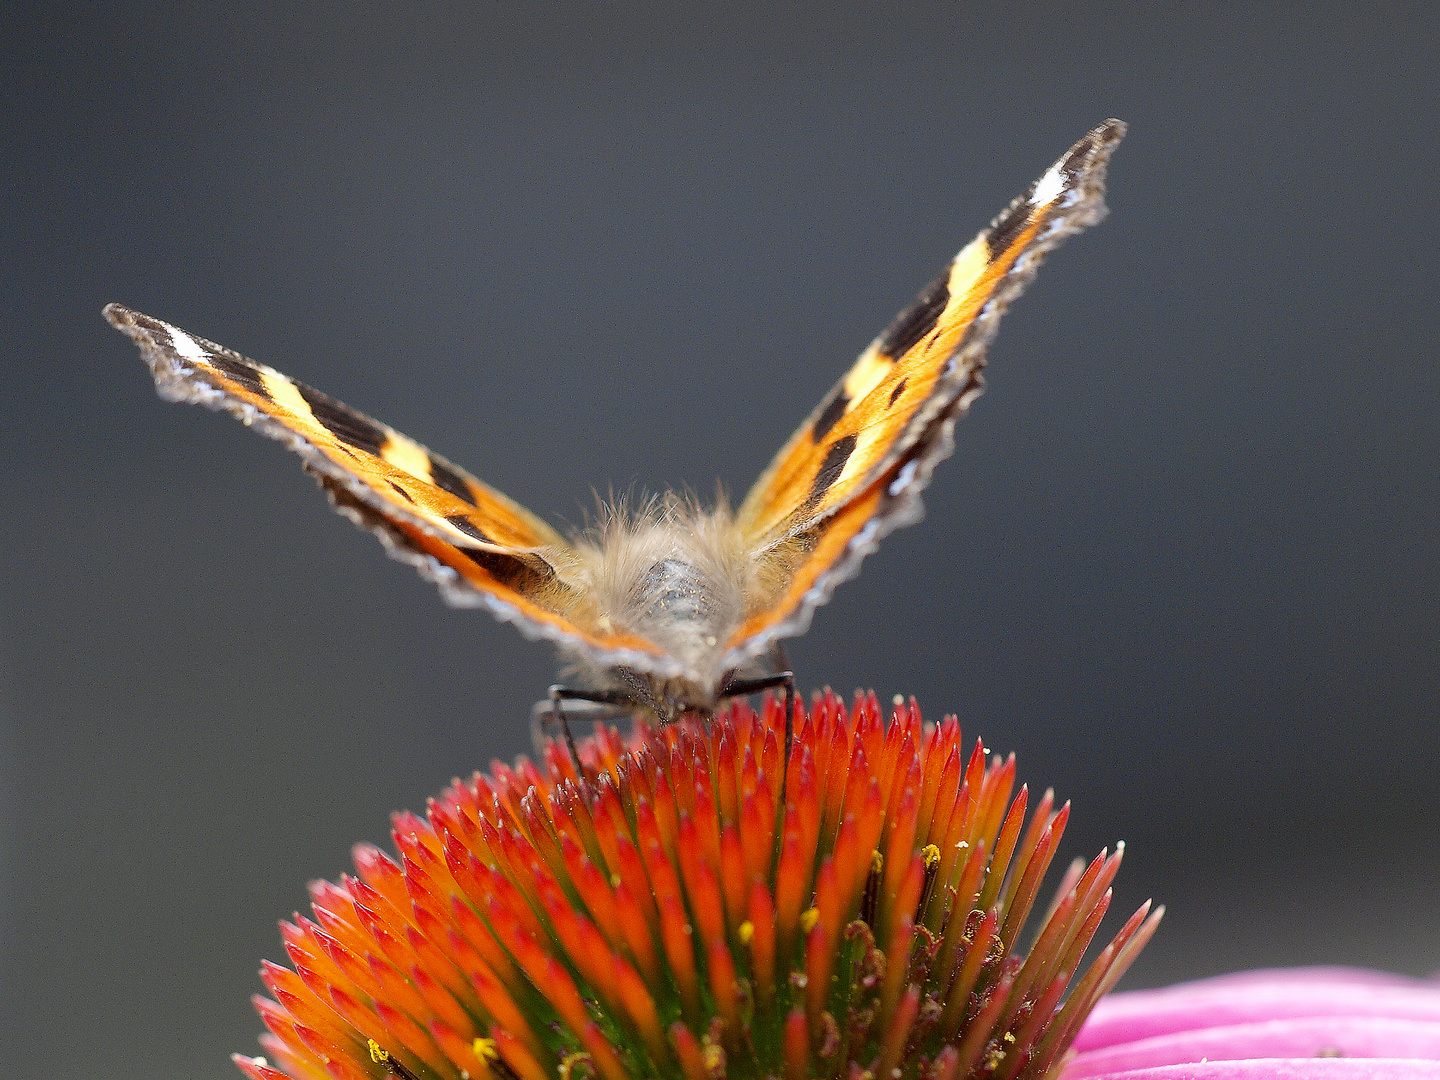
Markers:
point(1048, 188)
point(186, 345)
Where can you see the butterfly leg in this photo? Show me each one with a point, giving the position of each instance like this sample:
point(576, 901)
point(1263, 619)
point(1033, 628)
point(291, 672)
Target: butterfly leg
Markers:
point(543, 719)
point(746, 687)
point(618, 701)
point(786, 679)
point(782, 663)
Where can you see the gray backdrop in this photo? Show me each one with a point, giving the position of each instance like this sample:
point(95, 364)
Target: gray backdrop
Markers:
point(1183, 562)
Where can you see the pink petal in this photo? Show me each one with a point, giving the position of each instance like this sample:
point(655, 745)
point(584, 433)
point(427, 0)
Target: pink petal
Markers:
point(1289, 1069)
point(1256, 998)
point(1333, 974)
point(1348, 1037)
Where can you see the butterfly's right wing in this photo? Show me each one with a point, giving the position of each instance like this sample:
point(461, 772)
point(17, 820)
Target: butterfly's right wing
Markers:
point(481, 548)
point(853, 471)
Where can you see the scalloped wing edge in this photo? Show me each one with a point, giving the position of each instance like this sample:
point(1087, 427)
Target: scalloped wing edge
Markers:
point(901, 505)
point(1082, 207)
point(363, 508)
point(929, 437)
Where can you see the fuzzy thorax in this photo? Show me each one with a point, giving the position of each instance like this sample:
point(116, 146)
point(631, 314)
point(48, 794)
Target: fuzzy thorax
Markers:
point(676, 574)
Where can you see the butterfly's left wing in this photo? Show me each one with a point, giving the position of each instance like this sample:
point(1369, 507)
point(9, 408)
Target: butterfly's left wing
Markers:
point(481, 548)
point(855, 468)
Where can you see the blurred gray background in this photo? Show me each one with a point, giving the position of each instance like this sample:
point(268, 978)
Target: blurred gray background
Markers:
point(1184, 561)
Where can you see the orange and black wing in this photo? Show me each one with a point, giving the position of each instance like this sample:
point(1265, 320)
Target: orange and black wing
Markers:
point(481, 548)
point(855, 468)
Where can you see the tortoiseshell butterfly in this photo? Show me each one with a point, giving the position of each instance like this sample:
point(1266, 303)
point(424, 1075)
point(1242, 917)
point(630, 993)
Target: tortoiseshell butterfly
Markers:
point(669, 608)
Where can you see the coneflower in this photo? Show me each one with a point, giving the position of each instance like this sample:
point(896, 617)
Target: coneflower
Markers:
point(700, 905)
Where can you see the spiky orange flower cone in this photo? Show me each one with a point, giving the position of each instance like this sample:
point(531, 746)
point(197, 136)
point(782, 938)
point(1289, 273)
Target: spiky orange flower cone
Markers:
point(700, 907)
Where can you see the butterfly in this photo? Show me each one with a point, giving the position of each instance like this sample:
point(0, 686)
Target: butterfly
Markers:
point(674, 606)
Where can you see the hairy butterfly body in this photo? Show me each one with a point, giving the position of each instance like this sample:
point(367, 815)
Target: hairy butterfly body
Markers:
point(664, 608)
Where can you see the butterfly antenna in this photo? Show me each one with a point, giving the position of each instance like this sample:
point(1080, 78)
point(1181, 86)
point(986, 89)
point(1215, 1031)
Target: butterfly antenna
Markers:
point(558, 715)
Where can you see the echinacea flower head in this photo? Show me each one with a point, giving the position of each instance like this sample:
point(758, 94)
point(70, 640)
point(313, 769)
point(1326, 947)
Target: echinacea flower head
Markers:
point(701, 905)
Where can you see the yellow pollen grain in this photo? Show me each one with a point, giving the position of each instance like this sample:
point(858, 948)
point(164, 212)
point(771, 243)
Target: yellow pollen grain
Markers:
point(714, 1057)
point(808, 919)
point(378, 1053)
point(405, 453)
point(931, 855)
point(746, 932)
point(877, 862)
point(484, 1049)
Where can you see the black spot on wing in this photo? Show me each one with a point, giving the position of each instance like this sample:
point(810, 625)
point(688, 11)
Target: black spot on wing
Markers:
point(451, 481)
point(918, 319)
point(1010, 224)
point(830, 415)
point(525, 576)
point(466, 526)
point(895, 394)
point(244, 374)
point(158, 331)
point(343, 422)
point(401, 492)
point(830, 470)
